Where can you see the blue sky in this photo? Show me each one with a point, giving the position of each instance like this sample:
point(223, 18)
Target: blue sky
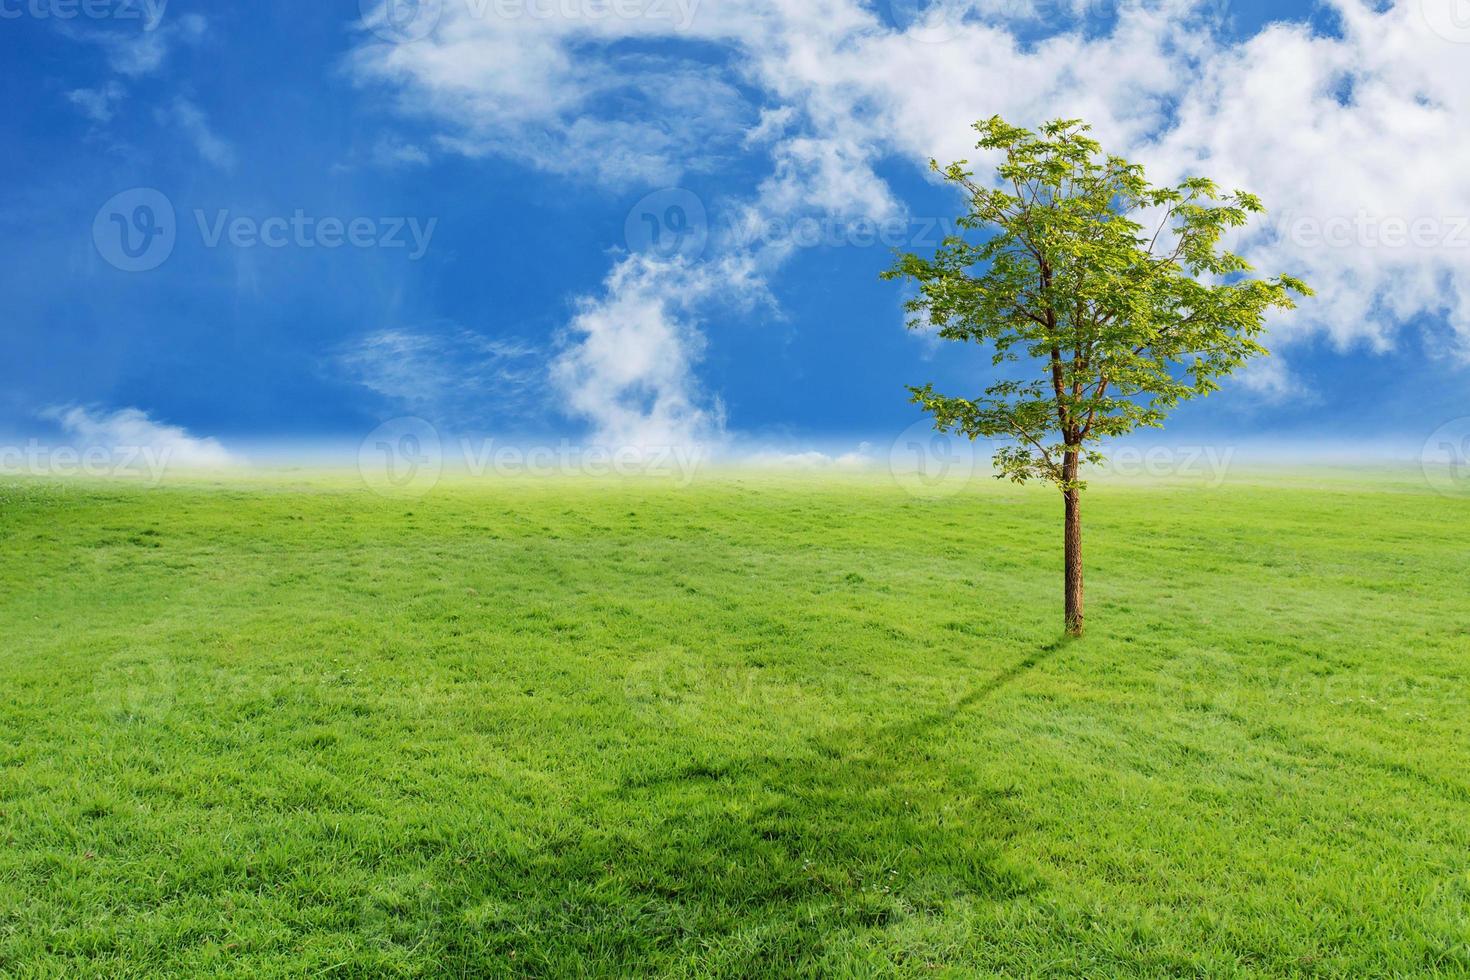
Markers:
point(494, 181)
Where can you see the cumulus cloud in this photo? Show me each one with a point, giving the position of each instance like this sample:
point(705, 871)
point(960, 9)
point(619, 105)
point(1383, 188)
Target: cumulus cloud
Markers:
point(1355, 140)
point(1365, 125)
point(132, 431)
point(628, 368)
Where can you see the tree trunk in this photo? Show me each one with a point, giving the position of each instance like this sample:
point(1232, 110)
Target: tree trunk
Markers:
point(1073, 578)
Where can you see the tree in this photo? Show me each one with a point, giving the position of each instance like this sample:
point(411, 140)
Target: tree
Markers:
point(1115, 324)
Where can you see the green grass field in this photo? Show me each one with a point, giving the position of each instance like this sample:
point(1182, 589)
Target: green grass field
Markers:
point(754, 726)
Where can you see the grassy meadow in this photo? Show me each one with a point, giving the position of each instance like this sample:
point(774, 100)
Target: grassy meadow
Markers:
point(759, 725)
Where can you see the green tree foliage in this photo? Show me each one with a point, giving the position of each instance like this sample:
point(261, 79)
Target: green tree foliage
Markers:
point(1115, 295)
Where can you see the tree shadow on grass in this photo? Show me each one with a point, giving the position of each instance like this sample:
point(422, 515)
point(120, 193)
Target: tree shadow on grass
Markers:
point(754, 866)
point(981, 692)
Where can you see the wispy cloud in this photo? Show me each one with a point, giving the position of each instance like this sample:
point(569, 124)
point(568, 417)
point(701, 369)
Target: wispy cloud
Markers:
point(98, 104)
point(539, 89)
point(392, 154)
point(446, 373)
point(136, 53)
point(1274, 383)
point(859, 459)
point(192, 121)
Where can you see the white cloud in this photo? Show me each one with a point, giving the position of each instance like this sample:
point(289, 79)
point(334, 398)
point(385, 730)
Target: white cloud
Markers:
point(859, 459)
point(559, 94)
point(1272, 380)
point(131, 430)
point(392, 154)
point(1372, 122)
point(628, 367)
point(1355, 141)
point(450, 374)
point(98, 104)
point(193, 123)
point(144, 52)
